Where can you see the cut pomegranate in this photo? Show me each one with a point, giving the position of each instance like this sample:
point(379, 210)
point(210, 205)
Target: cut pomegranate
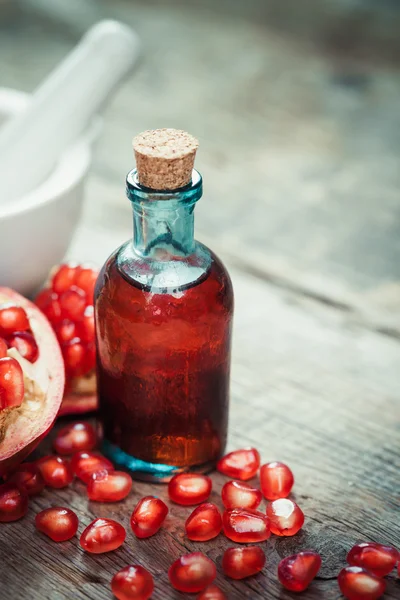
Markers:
point(28, 479)
point(245, 526)
point(205, 523)
point(68, 304)
point(55, 470)
point(109, 486)
point(3, 348)
point(236, 494)
point(148, 516)
point(132, 583)
point(34, 399)
point(189, 488)
point(240, 464)
point(359, 584)
point(376, 558)
point(13, 318)
point(76, 437)
point(85, 464)
point(276, 480)
point(13, 503)
point(58, 523)
point(297, 572)
point(191, 573)
point(26, 345)
point(12, 389)
point(212, 592)
point(286, 518)
point(102, 535)
point(239, 563)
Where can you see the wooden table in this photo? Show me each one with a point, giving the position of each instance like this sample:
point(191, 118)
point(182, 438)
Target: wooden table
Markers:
point(299, 153)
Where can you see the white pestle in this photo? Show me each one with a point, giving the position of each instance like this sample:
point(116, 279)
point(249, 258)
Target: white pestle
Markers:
point(62, 107)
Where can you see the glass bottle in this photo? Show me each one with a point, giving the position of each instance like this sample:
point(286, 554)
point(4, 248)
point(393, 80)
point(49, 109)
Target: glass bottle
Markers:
point(163, 307)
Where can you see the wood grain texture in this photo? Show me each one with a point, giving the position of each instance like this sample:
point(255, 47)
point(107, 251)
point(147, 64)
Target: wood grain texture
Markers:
point(299, 152)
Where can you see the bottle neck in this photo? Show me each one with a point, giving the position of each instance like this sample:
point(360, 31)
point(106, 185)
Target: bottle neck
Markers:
point(163, 221)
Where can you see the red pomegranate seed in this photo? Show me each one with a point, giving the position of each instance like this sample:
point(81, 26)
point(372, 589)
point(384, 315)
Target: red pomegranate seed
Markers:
point(55, 470)
point(86, 280)
point(189, 488)
point(148, 516)
point(212, 592)
point(66, 331)
point(132, 583)
point(12, 318)
point(74, 357)
point(28, 479)
point(240, 464)
point(102, 535)
point(12, 388)
point(297, 572)
point(191, 573)
point(76, 437)
point(3, 348)
point(376, 558)
point(26, 345)
point(85, 464)
point(236, 494)
point(48, 303)
point(58, 523)
point(205, 523)
point(72, 303)
point(358, 584)
point(276, 480)
point(286, 518)
point(64, 278)
point(86, 325)
point(13, 503)
point(245, 526)
point(239, 563)
point(109, 486)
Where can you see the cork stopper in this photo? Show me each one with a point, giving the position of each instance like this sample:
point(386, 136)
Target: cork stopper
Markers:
point(164, 158)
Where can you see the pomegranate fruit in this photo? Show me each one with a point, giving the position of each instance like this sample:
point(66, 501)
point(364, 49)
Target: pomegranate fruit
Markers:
point(28, 479)
point(13, 503)
point(376, 558)
point(359, 584)
point(237, 494)
point(191, 573)
point(297, 572)
point(240, 464)
point(58, 523)
point(56, 471)
point(75, 437)
point(276, 480)
point(132, 583)
point(189, 488)
point(246, 526)
point(239, 563)
point(102, 535)
point(148, 516)
point(31, 378)
point(109, 486)
point(212, 592)
point(67, 302)
point(286, 518)
point(85, 464)
point(204, 524)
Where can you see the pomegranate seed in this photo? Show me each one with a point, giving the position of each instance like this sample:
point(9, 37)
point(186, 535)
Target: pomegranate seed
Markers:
point(51, 308)
point(213, 592)
point(44, 298)
point(64, 278)
point(86, 325)
point(86, 279)
point(76, 437)
point(66, 331)
point(12, 318)
point(85, 464)
point(132, 583)
point(74, 357)
point(55, 470)
point(358, 584)
point(205, 523)
point(12, 388)
point(376, 558)
point(240, 464)
point(26, 345)
point(109, 486)
point(148, 516)
point(102, 535)
point(239, 563)
point(191, 573)
point(13, 503)
point(245, 526)
point(236, 494)
point(189, 488)
point(285, 516)
point(72, 303)
point(297, 572)
point(28, 479)
point(276, 480)
point(58, 523)
point(3, 348)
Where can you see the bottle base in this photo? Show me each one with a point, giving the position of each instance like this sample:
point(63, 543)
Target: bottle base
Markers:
point(148, 471)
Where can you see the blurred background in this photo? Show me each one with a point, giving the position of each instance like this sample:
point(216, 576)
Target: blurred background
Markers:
point(296, 106)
